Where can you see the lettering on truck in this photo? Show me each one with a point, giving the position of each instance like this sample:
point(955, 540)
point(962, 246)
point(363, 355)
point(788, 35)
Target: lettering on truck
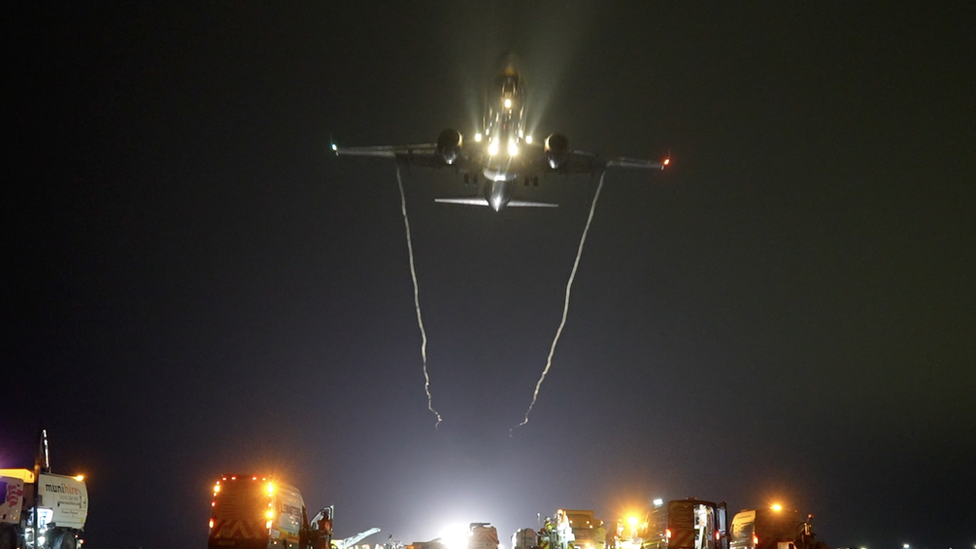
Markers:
point(62, 489)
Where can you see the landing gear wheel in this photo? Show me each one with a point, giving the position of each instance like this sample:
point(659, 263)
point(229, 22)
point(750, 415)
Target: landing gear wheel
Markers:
point(7, 539)
point(65, 541)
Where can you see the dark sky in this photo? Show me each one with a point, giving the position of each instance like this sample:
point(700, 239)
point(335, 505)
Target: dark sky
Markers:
point(193, 286)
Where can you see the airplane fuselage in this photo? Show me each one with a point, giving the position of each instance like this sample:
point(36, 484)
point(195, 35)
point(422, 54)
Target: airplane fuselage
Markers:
point(503, 134)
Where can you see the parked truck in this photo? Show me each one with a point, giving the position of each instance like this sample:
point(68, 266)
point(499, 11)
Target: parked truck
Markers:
point(40, 509)
point(525, 538)
point(773, 528)
point(261, 512)
point(482, 535)
point(685, 524)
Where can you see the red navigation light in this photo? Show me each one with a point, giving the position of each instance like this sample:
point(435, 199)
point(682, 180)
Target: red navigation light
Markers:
point(667, 161)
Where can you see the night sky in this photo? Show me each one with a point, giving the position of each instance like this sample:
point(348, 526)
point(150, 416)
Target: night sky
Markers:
point(193, 285)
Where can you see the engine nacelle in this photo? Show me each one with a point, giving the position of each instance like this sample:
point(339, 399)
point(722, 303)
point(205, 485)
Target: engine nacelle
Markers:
point(557, 150)
point(449, 145)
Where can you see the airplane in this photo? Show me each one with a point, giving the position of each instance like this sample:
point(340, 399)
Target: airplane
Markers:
point(502, 154)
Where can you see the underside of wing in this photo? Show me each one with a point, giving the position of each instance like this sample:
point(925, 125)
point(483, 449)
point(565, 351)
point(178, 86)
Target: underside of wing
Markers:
point(385, 151)
point(581, 162)
point(638, 163)
point(421, 154)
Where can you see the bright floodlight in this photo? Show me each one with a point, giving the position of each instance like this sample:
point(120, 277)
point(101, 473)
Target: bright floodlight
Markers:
point(493, 148)
point(777, 507)
point(508, 103)
point(454, 536)
point(528, 139)
point(512, 148)
point(658, 502)
point(632, 520)
point(477, 137)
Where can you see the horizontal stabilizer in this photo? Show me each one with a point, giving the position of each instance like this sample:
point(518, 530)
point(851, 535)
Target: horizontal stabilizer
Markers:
point(482, 202)
point(524, 204)
point(465, 201)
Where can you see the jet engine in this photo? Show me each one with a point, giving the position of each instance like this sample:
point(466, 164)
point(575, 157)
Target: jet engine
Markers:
point(557, 150)
point(449, 145)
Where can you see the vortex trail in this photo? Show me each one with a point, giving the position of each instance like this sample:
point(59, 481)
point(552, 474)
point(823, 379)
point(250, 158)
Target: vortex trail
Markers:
point(416, 298)
point(569, 288)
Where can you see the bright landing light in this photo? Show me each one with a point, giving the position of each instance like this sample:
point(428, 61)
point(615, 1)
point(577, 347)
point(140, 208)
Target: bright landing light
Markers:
point(493, 148)
point(528, 139)
point(477, 137)
point(508, 103)
point(512, 148)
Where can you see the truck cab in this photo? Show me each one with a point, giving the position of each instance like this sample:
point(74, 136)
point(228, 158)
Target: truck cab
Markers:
point(41, 510)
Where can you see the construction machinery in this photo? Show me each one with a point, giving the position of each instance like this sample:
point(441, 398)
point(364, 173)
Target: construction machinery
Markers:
point(40, 509)
point(351, 541)
point(525, 538)
point(773, 528)
point(573, 528)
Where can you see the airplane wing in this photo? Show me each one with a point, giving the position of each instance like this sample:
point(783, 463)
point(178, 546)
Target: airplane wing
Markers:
point(421, 154)
point(582, 162)
point(638, 163)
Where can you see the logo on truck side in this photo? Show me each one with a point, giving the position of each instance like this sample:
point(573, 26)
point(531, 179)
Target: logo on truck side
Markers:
point(62, 489)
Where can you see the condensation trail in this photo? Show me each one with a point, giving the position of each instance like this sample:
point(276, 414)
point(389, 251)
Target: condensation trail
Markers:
point(416, 298)
point(569, 288)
